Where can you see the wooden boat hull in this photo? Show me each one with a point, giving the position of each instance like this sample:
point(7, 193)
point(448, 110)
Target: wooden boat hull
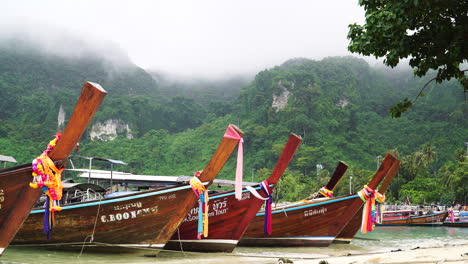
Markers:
point(228, 217)
point(433, 219)
point(16, 197)
point(315, 224)
point(307, 224)
point(16, 201)
point(351, 229)
point(136, 220)
point(456, 224)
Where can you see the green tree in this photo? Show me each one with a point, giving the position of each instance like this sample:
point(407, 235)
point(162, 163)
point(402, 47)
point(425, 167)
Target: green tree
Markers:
point(433, 34)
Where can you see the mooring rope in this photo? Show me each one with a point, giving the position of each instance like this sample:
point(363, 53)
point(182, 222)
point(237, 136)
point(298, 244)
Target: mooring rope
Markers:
point(180, 242)
point(94, 230)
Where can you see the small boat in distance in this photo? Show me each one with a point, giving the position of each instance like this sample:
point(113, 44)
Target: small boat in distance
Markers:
point(145, 219)
point(407, 217)
point(459, 220)
point(16, 196)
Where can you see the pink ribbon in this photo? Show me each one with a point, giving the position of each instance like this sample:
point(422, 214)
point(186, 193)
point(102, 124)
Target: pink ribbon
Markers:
point(232, 134)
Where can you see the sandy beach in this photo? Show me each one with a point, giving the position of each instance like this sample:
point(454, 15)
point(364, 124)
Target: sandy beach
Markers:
point(446, 254)
point(455, 254)
point(387, 245)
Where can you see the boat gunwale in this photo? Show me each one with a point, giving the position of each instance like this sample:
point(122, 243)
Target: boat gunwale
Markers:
point(126, 197)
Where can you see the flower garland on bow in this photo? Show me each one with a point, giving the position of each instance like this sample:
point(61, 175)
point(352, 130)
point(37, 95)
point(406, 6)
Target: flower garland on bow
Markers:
point(202, 194)
point(325, 192)
point(49, 178)
point(371, 214)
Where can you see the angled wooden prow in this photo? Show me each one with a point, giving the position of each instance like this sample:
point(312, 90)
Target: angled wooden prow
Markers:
point(384, 168)
point(221, 155)
point(19, 198)
point(288, 152)
point(90, 99)
point(337, 176)
point(389, 177)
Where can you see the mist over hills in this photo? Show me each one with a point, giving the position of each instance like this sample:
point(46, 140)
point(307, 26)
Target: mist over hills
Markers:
point(339, 105)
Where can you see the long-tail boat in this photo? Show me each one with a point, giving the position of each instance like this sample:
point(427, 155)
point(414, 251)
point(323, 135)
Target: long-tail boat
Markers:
point(459, 220)
point(405, 217)
point(313, 224)
point(16, 196)
point(351, 229)
point(229, 217)
point(140, 220)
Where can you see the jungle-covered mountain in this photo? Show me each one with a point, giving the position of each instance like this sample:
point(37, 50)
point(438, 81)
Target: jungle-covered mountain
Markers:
point(339, 105)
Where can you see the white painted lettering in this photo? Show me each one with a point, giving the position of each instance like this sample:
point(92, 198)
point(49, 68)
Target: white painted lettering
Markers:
point(118, 216)
point(313, 212)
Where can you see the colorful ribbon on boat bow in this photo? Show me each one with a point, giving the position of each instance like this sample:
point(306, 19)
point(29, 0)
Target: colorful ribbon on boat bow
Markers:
point(49, 178)
point(202, 194)
point(232, 134)
point(267, 228)
point(371, 213)
point(325, 192)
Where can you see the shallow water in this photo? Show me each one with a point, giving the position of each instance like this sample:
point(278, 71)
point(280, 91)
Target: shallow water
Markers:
point(383, 239)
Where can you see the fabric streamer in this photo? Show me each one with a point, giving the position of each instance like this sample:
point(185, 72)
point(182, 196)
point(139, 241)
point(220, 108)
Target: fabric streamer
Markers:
point(379, 207)
point(49, 178)
point(451, 214)
point(325, 192)
point(202, 193)
point(267, 228)
point(232, 134)
point(47, 220)
point(369, 216)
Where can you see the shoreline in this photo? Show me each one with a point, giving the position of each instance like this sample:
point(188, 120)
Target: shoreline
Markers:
point(455, 253)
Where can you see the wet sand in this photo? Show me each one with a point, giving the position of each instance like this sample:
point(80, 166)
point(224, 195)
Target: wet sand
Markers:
point(454, 254)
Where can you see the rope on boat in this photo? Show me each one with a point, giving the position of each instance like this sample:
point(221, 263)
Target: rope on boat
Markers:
point(180, 242)
point(94, 230)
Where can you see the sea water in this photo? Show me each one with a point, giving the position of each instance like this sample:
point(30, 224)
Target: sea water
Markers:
point(383, 239)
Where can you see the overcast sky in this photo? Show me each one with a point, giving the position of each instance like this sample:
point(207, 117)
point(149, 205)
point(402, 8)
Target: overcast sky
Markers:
point(198, 37)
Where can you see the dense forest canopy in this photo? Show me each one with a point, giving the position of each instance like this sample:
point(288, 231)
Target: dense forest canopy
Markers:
point(339, 105)
point(431, 34)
